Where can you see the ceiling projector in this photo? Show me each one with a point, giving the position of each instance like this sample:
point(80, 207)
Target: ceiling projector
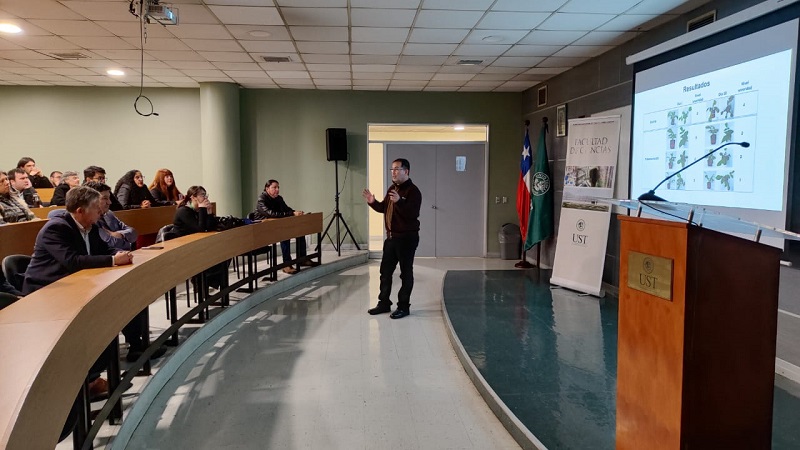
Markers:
point(163, 14)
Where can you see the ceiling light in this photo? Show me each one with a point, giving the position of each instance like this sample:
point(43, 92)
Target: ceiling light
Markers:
point(115, 72)
point(9, 28)
point(469, 62)
point(459, 127)
point(259, 33)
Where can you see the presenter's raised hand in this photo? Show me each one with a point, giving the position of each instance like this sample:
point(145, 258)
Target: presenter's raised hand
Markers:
point(368, 196)
point(394, 196)
point(123, 258)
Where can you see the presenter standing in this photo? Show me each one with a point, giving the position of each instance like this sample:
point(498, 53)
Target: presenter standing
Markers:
point(400, 208)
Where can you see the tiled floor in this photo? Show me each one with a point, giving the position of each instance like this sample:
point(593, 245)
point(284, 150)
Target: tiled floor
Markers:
point(310, 369)
point(551, 356)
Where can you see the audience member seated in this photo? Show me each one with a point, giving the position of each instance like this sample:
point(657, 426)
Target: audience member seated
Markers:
point(71, 243)
point(11, 208)
point(55, 177)
point(21, 187)
point(68, 181)
point(37, 179)
point(163, 188)
point(98, 174)
point(271, 205)
point(131, 191)
point(194, 213)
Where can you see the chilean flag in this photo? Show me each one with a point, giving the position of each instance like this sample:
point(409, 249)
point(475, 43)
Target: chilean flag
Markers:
point(523, 186)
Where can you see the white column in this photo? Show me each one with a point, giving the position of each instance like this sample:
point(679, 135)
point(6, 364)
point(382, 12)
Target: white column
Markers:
point(220, 146)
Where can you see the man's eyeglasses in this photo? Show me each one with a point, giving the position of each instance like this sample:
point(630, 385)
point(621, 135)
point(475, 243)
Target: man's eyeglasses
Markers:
point(396, 169)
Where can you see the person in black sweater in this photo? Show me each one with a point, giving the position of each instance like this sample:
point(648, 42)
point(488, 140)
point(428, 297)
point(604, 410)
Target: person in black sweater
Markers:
point(37, 179)
point(132, 193)
point(163, 188)
point(272, 206)
point(400, 208)
point(194, 213)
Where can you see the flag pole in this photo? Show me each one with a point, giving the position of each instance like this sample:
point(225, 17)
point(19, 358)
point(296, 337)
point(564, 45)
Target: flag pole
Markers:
point(524, 264)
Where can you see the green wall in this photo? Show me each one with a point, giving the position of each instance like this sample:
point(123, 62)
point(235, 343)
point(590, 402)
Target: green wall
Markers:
point(283, 137)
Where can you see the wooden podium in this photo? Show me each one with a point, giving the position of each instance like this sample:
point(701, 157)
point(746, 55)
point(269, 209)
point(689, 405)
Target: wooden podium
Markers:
point(697, 331)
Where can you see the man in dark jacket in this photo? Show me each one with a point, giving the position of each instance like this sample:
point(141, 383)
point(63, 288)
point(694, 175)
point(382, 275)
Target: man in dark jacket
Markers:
point(400, 208)
point(270, 206)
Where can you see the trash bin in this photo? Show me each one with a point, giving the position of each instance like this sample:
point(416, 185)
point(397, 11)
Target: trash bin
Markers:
point(509, 239)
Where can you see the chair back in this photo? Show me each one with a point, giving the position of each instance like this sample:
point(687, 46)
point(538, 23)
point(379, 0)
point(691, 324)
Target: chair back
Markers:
point(14, 267)
point(166, 233)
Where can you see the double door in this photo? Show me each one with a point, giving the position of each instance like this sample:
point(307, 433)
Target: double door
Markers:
point(452, 178)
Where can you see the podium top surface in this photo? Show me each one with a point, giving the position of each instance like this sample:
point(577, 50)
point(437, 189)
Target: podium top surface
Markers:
point(704, 217)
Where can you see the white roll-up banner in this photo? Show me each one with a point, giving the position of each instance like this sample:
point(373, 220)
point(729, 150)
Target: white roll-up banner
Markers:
point(593, 146)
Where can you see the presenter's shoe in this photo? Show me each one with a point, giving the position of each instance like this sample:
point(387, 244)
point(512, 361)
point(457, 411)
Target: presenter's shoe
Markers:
point(290, 270)
point(399, 313)
point(380, 308)
point(133, 355)
point(309, 263)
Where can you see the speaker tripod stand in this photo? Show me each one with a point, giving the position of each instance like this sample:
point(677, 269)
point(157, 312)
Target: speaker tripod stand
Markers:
point(337, 217)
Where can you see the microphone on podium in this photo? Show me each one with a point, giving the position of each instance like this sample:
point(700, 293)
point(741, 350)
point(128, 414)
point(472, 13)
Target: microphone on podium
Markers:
point(651, 194)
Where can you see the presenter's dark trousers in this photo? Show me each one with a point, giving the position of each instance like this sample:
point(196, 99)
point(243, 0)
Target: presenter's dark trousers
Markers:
point(286, 250)
point(398, 250)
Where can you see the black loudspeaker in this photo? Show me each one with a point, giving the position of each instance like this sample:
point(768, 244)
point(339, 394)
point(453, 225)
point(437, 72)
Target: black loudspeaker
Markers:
point(336, 144)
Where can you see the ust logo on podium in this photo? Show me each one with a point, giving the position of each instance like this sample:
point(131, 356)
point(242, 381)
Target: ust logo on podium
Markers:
point(578, 238)
point(650, 274)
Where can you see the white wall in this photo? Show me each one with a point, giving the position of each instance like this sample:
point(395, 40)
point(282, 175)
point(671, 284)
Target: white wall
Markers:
point(70, 128)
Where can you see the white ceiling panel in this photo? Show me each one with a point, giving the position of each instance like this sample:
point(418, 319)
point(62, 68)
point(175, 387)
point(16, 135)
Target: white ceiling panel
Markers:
point(512, 20)
point(438, 36)
point(605, 38)
point(474, 5)
point(324, 17)
point(575, 22)
point(70, 27)
point(481, 50)
point(369, 34)
point(495, 36)
point(320, 33)
point(247, 15)
point(528, 5)
point(231, 57)
point(429, 49)
point(214, 45)
point(193, 14)
point(368, 41)
point(259, 33)
point(374, 59)
point(362, 17)
point(330, 48)
point(595, 7)
point(331, 82)
point(533, 50)
point(386, 48)
point(632, 22)
point(95, 10)
point(268, 46)
point(200, 31)
point(447, 19)
point(399, 4)
point(589, 51)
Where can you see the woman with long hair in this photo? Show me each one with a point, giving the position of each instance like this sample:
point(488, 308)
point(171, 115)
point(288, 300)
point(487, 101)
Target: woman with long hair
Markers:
point(194, 213)
point(163, 188)
point(131, 191)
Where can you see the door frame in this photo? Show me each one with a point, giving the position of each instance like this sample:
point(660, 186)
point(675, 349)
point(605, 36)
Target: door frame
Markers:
point(484, 181)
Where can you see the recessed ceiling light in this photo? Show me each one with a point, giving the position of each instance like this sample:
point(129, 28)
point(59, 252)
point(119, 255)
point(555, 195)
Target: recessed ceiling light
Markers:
point(493, 38)
point(259, 33)
point(9, 28)
point(459, 127)
point(115, 72)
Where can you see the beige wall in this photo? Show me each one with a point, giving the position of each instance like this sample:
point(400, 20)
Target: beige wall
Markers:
point(70, 128)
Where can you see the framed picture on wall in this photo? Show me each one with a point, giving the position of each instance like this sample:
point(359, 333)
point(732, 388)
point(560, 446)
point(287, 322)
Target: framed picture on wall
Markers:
point(561, 120)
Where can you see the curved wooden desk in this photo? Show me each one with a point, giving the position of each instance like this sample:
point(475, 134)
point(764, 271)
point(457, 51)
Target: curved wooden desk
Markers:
point(49, 341)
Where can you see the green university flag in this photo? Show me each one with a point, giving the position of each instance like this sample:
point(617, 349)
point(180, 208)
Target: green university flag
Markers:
point(540, 223)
